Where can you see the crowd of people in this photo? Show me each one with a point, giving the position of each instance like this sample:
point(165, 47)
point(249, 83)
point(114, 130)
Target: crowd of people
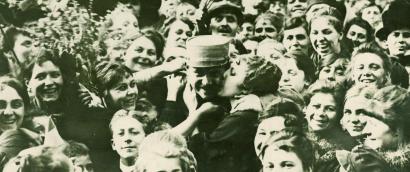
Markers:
point(205, 86)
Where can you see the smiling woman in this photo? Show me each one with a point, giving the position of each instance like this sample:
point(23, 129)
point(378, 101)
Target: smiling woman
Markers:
point(14, 103)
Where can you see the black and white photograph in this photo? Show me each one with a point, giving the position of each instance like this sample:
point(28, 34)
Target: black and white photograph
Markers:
point(204, 86)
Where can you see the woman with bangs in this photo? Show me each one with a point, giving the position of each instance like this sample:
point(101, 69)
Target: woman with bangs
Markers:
point(288, 150)
point(333, 70)
point(323, 113)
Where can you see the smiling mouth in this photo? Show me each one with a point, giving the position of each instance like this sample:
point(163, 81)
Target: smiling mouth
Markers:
point(367, 81)
point(9, 121)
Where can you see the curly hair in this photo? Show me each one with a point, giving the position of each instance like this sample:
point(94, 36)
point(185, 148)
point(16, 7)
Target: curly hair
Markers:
point(262, 76)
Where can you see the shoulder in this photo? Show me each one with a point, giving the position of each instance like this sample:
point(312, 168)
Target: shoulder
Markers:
point(248, 102)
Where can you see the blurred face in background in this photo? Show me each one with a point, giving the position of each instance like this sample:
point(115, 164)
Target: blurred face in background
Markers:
point(23, 47)
point(277, 159)
point(247, 30)
point(381, 137)
point(186, 10)
point(373, 15)
point(398, 42)
point(179, 32)
point(292, 76)
point(11, 108)
point(334, 73)
point(265, 29)
point(296, 8)
point(82, 163)
point(277, 7)
point(266, 129)
point(296, 40)
point(357, 35)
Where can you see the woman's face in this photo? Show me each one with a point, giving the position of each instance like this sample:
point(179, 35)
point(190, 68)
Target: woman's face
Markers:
point(125, 21)
point(321, 112)
point(334, 73)
point(381, 136)
point(234, 78)
point(127, 135)
point(367, 70)
point(357, 35)
point(324, 37)
point(296, 39)
point(372, 15)
point(354, 119)
point(292, 76)
point(265, 29)
point(297, 8)
point(140, 55)
point(276, 159)
point(46, 82)
point(266, 129)
point(179, 32)
point(124, 94)
point(11, 108)
point(186, 11)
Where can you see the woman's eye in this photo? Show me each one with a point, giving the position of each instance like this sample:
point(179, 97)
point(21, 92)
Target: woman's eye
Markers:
point(122, 88)
point(152, 53)
point(139, 49)
point(330, 108)
point(327, 32)
point(17, 104)
point(316, 106)
point(374, 66)
point(55, 74)
point(179, 31)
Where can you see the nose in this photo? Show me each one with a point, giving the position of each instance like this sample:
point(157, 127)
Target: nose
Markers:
point(224, 21)
point(48, 80)
point(8, 111)
point(132, 91)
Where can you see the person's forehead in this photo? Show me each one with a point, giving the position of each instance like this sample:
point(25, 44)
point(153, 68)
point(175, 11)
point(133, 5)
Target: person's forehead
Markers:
point(8, 93)
point(225, 13)
point(45, 66)
point(125, 123)
point(367, 58)
point(274, 154)
point(357, 28)
point(297, 30)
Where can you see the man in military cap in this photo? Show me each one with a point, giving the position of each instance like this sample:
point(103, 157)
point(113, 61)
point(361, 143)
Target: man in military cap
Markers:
point(219, 140)
point(224, 18)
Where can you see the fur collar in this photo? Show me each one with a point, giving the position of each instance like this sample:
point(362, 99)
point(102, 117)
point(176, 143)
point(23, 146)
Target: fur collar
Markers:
point(399, 159)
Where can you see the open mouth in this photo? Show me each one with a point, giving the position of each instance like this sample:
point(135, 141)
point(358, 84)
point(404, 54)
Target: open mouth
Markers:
point(320, 122)
point(367, 81)
point(357, 128)
point(298, 10)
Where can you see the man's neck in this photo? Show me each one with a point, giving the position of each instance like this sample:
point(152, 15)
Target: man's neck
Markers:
point(127, 161)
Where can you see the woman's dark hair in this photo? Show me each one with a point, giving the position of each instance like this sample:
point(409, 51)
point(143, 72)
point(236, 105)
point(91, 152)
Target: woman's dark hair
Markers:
point(361, 23)
point(337, 91)
point(294, 117)
point(293, 141)
point(10, 37)
point(304, 63)
point(296, 22)
point(19, 87)
point(277, 20)
point(109, 74)
point(334, 21)
point(156, 38)
point(249, 18)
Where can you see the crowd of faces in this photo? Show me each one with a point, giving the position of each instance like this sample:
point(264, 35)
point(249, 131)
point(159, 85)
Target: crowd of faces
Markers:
point(317, 52)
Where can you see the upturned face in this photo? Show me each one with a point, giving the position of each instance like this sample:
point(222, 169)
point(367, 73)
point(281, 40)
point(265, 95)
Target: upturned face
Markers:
point(333, 73)
point(381, 136)
point(123, 95)
point(234, 78)
point(324, 37)
point(277, 159)
point(46, 82)
point(23, 48)
point(140, 55)
point(368, 70)
point(321, 112)
point(297, 8)
point(127, 135)
point(11, 108)
point(266, 129)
